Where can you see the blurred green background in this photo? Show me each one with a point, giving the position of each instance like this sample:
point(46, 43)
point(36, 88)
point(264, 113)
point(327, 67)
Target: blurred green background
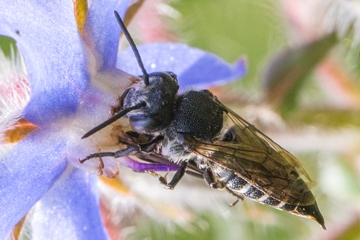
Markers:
point(315, 124)
point(6, 44)
point(231, 29)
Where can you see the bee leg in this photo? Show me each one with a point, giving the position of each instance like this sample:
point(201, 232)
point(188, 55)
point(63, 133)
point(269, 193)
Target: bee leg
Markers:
point(194, 174)
point(175, 180)
point(239, 197)
point(162, 179)
point(124, 152)
point(149, 146)
point(210, 180)
point(234, 203)
point(229, 135)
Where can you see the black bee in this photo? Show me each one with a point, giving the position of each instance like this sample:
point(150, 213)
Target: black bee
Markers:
point(195, 130)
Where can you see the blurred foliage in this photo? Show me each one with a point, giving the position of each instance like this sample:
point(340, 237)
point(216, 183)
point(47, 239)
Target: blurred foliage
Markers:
point(231, 29)
point(6, 44)
point(285, 75)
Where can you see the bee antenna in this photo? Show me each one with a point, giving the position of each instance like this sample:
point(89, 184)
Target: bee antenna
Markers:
point(133, 47)
point(113, 119)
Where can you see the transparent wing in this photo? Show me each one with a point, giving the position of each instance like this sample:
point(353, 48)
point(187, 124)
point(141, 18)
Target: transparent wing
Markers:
point(259, 160)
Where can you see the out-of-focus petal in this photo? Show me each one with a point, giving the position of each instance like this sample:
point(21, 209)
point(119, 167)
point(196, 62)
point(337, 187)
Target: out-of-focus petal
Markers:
point(28, 172)
point(70, 210)
point(47, 36)
point(193, 67)
point(102, 31)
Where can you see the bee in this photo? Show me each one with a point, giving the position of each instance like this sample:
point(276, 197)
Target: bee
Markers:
point(201, 135)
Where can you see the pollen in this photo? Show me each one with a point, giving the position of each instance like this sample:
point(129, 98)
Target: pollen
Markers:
point(20, 130)
point(80, 11)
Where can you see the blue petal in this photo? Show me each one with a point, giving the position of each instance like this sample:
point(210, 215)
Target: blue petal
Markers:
point(47, 36)
point(102, 31)
point(193, 67)
point(27, 172)
point(70, 210)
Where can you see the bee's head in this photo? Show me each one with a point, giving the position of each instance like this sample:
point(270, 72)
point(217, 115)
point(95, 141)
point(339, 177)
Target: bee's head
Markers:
point(158, 98)
point(148, 104)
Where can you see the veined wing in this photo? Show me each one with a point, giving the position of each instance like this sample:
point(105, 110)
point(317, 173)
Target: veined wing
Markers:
point(260, 161)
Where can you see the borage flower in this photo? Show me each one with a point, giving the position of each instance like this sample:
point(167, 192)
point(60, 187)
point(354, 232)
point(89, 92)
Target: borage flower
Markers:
point(75, 84)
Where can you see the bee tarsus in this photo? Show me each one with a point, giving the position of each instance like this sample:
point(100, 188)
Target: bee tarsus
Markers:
point(176, 178)
point(235, 202)
point(121, 153)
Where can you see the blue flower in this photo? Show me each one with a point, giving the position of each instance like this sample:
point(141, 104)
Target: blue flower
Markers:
point(75, 81)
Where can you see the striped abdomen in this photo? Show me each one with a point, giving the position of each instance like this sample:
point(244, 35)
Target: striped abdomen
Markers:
point(240, 187)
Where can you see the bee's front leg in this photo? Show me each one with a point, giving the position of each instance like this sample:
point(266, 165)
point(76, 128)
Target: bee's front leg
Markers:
point(121, 153)
point(210, 179)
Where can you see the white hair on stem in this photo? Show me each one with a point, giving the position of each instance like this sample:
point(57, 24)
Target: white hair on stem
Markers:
point(343, 17)
point(14, 94)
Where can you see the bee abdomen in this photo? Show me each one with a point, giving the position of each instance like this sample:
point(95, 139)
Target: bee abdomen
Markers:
point(240, 187)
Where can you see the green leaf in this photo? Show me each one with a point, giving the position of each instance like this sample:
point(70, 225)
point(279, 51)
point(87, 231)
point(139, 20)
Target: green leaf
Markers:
point(285, 74)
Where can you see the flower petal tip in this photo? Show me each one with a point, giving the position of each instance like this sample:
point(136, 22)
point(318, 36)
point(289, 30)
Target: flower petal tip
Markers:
point(240, 67)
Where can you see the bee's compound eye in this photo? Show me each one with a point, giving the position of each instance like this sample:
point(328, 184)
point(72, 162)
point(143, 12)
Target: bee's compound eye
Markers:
point(206, 91)
point(139, 121)
point(142, 123)
point(173, 75)
point(164, 76)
